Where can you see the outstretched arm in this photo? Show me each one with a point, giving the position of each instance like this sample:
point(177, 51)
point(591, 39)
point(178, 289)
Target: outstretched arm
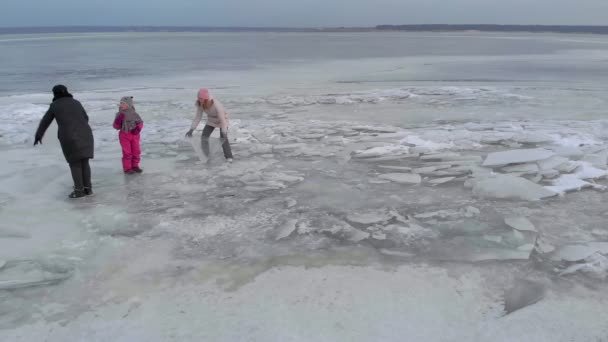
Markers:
point(46, 121)
point(196, 121)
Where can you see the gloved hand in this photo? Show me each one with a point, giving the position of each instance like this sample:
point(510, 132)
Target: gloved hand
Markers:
point(37, 140)
point(189, 133)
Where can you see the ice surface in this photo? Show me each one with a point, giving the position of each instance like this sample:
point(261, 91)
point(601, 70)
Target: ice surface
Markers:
point(228, 242)
point(510, 187)
point(402, 178)
point(516, 156)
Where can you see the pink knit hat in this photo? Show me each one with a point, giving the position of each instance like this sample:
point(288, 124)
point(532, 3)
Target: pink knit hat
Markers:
point(203, 94)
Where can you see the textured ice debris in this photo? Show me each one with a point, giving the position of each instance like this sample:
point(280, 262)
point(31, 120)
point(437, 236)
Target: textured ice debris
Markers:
point(516, 157)
point(551, 163)
point(381, 151)
point(599, 159)
point(344, 231)
point(524, 169)
point(523, 293)
point(586, 170)
point(566, 183)
point(574, 253)
point(520, 223)
point(595, 266)
point(510, 187)
point(395, 168)
point(290, 203)
point(24, 274)
point(286, 229)
point(370, 218)
point(439, 181)
point(402, 178)
point(449, 214)
point(568, 151)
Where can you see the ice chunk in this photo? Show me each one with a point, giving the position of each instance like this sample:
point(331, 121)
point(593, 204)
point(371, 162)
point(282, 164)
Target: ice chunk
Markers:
point(423, 170)
point(402, 178)
point(290, 203)
point(264, 186)
point(601, 247)
point(510, 187)
point(567, 183)
point(568, 151)
point(370, 218)
point(531, 138)
point(516, 156)
point(599, 160)
point(286, 229)
point(439, 156)
point(567, 167)
point(449, 214)
point(544, 247)
point(551, 163)
point(524, 169)
point(345, 231)
point(396, 253)
point(523, 293)
point(395, 168)
point(2, 263)
point(520, 223)
point(550, 174)
point(439, 181)
point(588, 171)
point(410, 233)
point(381, 151)
point(573, 253)
point(596, 266)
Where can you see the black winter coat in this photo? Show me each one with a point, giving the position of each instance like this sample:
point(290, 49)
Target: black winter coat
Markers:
point(75, 134)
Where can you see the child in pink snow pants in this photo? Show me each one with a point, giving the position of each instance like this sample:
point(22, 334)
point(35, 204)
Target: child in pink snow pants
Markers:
point(130, 124)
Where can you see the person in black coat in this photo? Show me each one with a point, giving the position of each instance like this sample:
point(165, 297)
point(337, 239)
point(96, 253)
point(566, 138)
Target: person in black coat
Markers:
point(75, 136)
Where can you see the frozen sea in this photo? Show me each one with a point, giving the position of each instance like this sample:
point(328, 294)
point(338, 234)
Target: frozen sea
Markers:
point(386, 187)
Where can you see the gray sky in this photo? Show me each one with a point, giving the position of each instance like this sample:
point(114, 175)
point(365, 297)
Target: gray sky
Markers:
point(300, 13)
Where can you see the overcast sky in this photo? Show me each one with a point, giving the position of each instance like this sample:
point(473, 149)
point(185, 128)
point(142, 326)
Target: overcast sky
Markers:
point(300, 13)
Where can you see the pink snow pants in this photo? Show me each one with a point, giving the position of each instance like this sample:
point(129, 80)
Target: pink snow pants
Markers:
point(131, 153)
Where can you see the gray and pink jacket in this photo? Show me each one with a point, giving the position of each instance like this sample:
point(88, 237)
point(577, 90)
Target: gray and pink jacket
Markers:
point(216, 115)
point(128, 121)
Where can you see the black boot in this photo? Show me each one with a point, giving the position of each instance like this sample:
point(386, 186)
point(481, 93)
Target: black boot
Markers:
point(77, 193)
point(88, 191)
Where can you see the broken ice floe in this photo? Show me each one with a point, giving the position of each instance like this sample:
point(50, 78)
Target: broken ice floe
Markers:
point(520, 223)
point(516, 156)
point(510, 187)
point(402, 178)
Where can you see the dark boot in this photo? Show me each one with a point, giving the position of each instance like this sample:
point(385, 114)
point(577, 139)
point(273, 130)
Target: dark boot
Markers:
point(88, 191)
point(137, 169)
point(77, 193)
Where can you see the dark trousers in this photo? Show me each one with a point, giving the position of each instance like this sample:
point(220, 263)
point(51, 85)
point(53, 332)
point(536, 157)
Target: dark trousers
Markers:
point(205, 141)
point(81, 174)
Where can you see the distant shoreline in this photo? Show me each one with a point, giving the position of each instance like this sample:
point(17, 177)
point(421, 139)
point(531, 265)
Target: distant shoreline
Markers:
point(379, 28)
